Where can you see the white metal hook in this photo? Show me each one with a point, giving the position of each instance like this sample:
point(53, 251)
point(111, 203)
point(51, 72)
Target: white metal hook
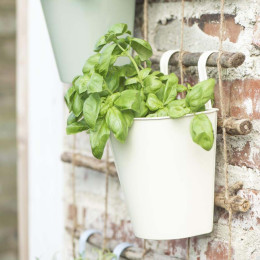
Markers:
point(84, 238)
point(164, 61)
point(119, 249)
point(203, 70)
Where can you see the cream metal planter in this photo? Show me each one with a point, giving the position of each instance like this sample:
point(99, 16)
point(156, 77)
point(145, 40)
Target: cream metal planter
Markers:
point(167, 180)
point(75, 26)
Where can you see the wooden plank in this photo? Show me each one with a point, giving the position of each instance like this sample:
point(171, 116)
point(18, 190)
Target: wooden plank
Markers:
point(22, 126)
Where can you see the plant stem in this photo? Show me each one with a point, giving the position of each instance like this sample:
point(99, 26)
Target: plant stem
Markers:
point(134, 63)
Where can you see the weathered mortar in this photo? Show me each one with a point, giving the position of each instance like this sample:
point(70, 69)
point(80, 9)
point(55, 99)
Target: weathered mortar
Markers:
point(242, 88)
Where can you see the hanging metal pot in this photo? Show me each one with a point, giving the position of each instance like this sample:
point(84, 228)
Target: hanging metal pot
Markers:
point(167, 179)
point(75, 25)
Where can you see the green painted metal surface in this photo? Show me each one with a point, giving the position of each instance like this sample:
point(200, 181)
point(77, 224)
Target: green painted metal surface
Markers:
point(75, 26)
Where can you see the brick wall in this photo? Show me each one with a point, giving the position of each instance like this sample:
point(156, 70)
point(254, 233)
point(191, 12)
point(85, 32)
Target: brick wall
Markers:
point(242, 100)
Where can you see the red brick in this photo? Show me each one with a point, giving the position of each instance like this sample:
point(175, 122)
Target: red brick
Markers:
point(256, 35)
point(123, 232)
point(248, 156)
point(241, 98)
point(173, 245)
point(217, 250)
point(209, 24)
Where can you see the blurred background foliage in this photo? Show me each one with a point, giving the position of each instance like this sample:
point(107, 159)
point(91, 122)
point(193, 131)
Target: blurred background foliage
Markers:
point(8, 200)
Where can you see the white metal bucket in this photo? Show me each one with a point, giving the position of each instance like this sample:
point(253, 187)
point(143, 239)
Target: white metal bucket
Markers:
point(167, 179)
point(76, 25)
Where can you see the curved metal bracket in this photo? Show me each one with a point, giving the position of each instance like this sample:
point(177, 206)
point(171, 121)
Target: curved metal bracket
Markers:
point(119, 249)
point(203, 70)
point(164, 61)
point(84, 238)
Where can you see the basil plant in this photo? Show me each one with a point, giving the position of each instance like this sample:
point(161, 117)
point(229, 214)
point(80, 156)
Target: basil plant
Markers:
point(107, 97)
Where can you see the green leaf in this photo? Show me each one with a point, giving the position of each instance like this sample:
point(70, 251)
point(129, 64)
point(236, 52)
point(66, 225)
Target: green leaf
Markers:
point(123, 43)
point(170, 91)
point(143, 110)
point(145, 72)
point(131, 81)
point(109, 102)
point(178, 102)
point(127, 70)
point(74, 80)
point(112, 98)
point(160, 113)
point(77, 105)
point(81, 83)
point(181, 88)
point(200, 94)
point(164, 78)
point(177, 111)
point(152, 84)
point(104, 108)
point(110, 37)
point(129, 117)
point(95, 83)
point(163, 112)
point(143, 48)
point(202, 132)
point(72, 118)
point(157, 73)
point(136, 86)
point(69, 97)
point(153, 103)
point(160, 92)
point(118, 29)
point(173, 78)
point(129, 99)
point(76, 127)
point(91, 62)
point(148, 63)
point(100, 44)
point(117, 124)
point(91, 109)
point(99, 137)
point(112, 81)
point(105, 59)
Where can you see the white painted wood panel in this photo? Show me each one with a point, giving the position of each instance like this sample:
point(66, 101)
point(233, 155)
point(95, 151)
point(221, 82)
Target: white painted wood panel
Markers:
point(45, 142)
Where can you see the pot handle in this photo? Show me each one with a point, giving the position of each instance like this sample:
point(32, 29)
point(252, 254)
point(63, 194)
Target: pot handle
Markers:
point(84, 238)
point(119, 249)
point(164, 61)
point(203, 70)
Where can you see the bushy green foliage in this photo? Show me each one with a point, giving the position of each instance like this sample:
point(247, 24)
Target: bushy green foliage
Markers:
point(107, 97)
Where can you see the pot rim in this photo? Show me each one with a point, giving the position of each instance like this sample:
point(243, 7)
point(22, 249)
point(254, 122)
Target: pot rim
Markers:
point(208, 111)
